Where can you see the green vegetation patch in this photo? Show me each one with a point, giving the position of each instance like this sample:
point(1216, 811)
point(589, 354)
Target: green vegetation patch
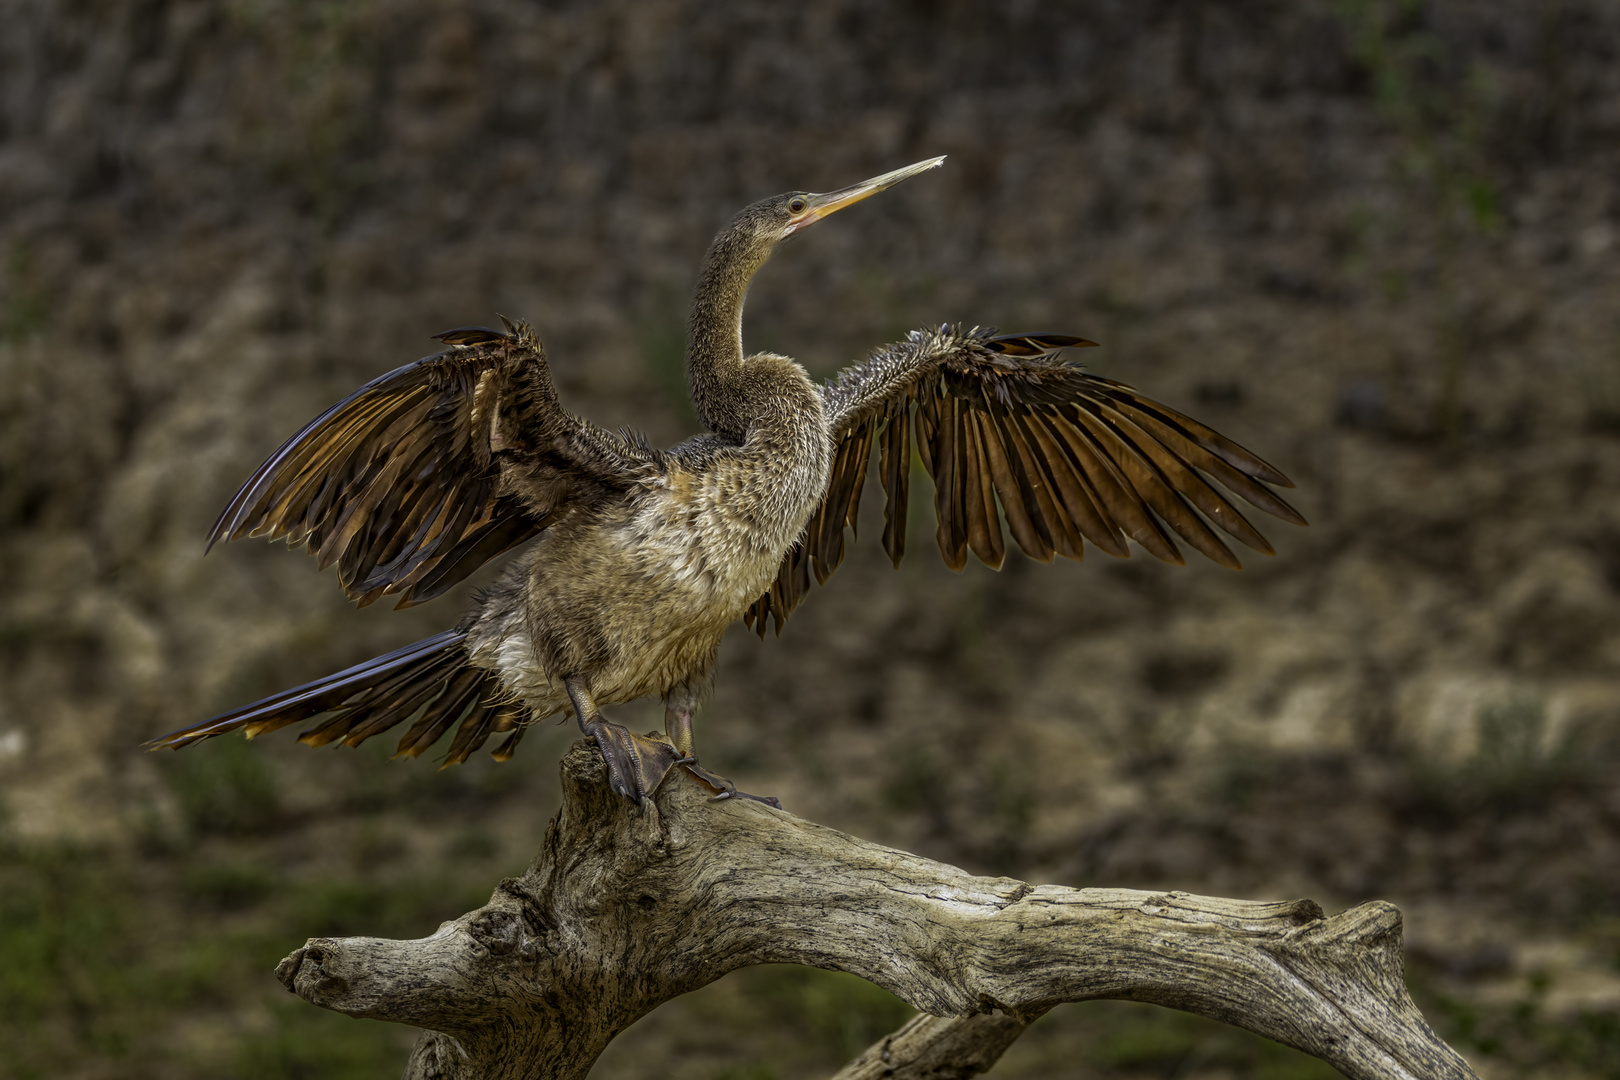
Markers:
point(231, 790)
point(308, 1042)
point(1124, 1039)
point(113, 965)
point(69, 970)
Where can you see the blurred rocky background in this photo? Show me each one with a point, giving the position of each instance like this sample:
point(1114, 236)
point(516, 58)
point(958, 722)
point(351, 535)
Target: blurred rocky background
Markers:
point(1378, 241)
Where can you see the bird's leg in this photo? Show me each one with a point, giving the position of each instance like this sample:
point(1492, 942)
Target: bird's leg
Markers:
point(636, 764)
point(679, 705)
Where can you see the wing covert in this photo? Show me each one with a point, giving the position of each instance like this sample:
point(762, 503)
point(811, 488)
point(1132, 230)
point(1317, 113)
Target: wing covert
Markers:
point(1009, 431)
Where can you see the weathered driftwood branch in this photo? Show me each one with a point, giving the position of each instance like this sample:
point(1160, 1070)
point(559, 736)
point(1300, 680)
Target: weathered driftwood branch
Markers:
point(933, 1047)
point(623, 910)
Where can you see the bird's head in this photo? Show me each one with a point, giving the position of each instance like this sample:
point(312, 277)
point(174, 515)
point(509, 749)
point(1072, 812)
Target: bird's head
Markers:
point(759, 229)
point(714, 351)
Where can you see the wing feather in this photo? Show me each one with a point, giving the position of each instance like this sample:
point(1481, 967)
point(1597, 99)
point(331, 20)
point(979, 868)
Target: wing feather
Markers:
point(1020, 504)
point(1180, 436)
point(419, 477)
point(1081, 500)
point(1039, 488)
point(1186, 481)
point(314, 461)
point(895, 467)
point(839, 506)
point(1144, 494)
point(950, 506)
point(424, 577)
point(1111, 487)
point(860, 452)
point(984, 525)
point(1008, 429)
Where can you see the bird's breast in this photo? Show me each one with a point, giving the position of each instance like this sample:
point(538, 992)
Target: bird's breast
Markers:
point(638, 596)
point(718, 536)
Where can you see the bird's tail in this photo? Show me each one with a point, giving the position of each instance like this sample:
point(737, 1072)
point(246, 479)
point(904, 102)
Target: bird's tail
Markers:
point(432, 682)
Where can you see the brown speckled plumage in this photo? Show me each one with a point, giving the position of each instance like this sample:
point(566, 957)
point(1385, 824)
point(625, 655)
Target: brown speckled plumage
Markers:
point(641, 558)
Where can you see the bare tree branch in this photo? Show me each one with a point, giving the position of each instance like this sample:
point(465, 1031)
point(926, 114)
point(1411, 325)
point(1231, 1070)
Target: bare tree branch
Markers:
point(623, 910)
point(930, 1047)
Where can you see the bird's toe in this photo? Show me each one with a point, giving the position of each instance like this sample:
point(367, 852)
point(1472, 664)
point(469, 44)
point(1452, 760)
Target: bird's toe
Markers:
point(725, 789)
point(636, 764)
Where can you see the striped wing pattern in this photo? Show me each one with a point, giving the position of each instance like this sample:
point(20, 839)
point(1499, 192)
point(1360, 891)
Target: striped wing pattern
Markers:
point(395, 484)
point(1010, 432)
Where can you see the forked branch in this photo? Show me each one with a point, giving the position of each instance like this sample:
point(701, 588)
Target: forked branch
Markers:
point(623, 910)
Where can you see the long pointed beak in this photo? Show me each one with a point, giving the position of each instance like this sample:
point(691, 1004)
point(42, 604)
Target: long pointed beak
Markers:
point(819, 206)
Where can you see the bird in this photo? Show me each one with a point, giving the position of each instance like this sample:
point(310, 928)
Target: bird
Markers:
point(637, 559)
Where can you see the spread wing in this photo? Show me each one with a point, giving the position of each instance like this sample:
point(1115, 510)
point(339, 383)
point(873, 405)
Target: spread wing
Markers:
point(426, 473)
point(1002, 420)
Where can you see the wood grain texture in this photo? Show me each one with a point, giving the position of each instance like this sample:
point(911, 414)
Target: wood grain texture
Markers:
point(624, 909)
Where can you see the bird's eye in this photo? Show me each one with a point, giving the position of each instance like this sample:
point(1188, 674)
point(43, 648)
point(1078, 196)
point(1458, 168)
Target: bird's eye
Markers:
point(797, 204)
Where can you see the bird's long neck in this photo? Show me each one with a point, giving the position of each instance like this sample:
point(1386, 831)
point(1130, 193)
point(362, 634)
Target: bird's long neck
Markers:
point(714, 350)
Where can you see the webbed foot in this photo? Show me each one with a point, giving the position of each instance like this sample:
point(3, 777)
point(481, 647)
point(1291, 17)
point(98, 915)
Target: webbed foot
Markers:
point(678, 707)
point(636, 764)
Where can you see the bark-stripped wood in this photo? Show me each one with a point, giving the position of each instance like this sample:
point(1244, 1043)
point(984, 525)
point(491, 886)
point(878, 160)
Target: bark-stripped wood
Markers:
point(624, 909)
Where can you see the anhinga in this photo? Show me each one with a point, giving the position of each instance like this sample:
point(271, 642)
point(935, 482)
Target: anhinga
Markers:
point(642, 557)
